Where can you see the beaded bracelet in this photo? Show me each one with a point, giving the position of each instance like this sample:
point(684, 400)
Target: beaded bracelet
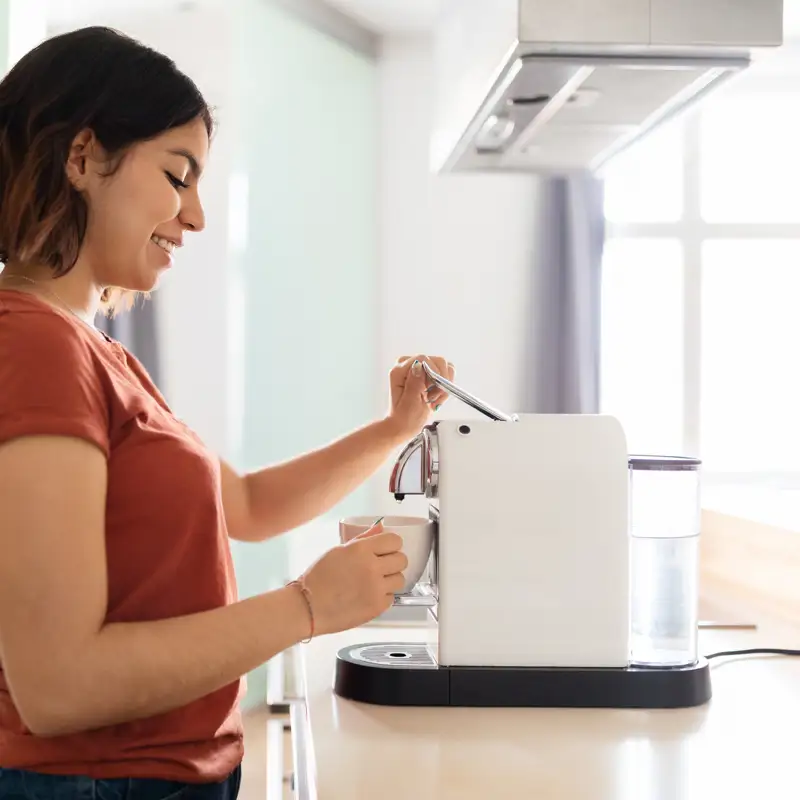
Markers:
point(304, 590)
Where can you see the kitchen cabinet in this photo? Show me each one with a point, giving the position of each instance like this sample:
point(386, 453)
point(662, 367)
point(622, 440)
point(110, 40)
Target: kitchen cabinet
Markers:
point(286, 733)
point(684, 21)
point(570, 21)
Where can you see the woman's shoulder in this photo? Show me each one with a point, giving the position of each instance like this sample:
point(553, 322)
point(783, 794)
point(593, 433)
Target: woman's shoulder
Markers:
point(50, 374)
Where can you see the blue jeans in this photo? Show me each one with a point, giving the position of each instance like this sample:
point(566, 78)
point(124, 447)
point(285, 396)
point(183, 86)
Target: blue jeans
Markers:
point(17, 784)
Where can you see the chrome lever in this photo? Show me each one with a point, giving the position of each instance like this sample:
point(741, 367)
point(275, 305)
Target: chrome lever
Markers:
point(466, 397)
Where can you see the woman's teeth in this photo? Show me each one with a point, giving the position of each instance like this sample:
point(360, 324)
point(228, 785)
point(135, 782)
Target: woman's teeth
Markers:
point(164, 244)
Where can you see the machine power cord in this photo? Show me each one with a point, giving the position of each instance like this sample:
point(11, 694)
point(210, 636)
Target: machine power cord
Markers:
point(755, 651)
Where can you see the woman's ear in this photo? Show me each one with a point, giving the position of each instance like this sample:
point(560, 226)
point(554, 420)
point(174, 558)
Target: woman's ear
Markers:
point(82, 152)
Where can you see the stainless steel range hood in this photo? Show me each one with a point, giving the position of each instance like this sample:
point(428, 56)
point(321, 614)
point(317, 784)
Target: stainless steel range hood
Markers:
point(552, 86)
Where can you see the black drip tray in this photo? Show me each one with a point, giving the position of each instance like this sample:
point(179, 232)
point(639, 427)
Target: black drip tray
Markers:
point(401, 674)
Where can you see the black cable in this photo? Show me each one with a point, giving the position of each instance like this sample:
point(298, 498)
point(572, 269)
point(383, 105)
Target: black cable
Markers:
point(755, 651)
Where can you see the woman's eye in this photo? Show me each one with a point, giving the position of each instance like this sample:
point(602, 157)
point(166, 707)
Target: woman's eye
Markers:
point(176, 182)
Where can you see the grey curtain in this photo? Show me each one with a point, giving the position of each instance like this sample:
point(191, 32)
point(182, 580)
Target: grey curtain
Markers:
point(137, 329)
point(563, 354)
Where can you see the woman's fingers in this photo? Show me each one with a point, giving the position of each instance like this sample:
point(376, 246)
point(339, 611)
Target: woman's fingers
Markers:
point(435, 396)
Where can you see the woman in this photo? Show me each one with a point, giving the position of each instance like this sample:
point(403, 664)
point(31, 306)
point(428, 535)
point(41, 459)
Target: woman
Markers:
point(122, 643)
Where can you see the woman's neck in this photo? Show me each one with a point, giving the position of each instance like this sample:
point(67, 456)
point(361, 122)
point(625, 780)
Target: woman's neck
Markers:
point(72, 291)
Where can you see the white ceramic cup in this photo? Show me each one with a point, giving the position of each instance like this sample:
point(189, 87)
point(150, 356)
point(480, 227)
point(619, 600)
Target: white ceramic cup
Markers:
point(417, 535)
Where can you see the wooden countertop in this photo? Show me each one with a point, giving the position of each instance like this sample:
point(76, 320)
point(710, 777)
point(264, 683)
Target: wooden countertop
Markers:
point(741, 745)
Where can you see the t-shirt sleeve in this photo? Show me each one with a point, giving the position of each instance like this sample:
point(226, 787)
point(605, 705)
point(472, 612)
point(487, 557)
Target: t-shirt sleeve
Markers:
point(49, 382)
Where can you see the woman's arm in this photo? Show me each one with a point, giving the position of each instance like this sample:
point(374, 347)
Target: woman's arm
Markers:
point(69, 671)
point(66, 669)
point(282, 497)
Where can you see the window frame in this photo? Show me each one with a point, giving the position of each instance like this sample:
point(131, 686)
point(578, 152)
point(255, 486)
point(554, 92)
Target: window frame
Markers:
point(692, 231)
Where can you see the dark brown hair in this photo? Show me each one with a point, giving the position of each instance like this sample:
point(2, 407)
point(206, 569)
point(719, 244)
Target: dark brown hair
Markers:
point(94, 78)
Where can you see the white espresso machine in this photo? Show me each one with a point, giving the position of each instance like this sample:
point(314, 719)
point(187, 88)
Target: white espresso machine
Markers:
point(530, 580)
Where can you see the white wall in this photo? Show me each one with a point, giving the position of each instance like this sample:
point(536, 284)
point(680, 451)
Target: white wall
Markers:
point(455, 251)
point(23, 25)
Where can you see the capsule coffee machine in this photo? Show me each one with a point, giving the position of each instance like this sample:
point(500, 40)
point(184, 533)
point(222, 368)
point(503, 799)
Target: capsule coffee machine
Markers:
point(538, 595)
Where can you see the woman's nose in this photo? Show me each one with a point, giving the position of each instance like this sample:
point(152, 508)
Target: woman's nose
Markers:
point(192, 215)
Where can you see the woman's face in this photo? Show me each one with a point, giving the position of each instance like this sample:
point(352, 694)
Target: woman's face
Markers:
point(139, 215)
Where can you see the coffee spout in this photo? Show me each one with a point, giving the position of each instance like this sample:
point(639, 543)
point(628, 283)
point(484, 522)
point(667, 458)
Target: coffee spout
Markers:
point(407, 477)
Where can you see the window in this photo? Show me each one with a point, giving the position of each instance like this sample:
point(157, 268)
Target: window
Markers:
point(642, 335)
point(748, 166)
point(701, 284)
point(646, 184)
point(750, 399)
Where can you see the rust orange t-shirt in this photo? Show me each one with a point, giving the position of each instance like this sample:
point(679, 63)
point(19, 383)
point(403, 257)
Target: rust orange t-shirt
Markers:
point(167, 544)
